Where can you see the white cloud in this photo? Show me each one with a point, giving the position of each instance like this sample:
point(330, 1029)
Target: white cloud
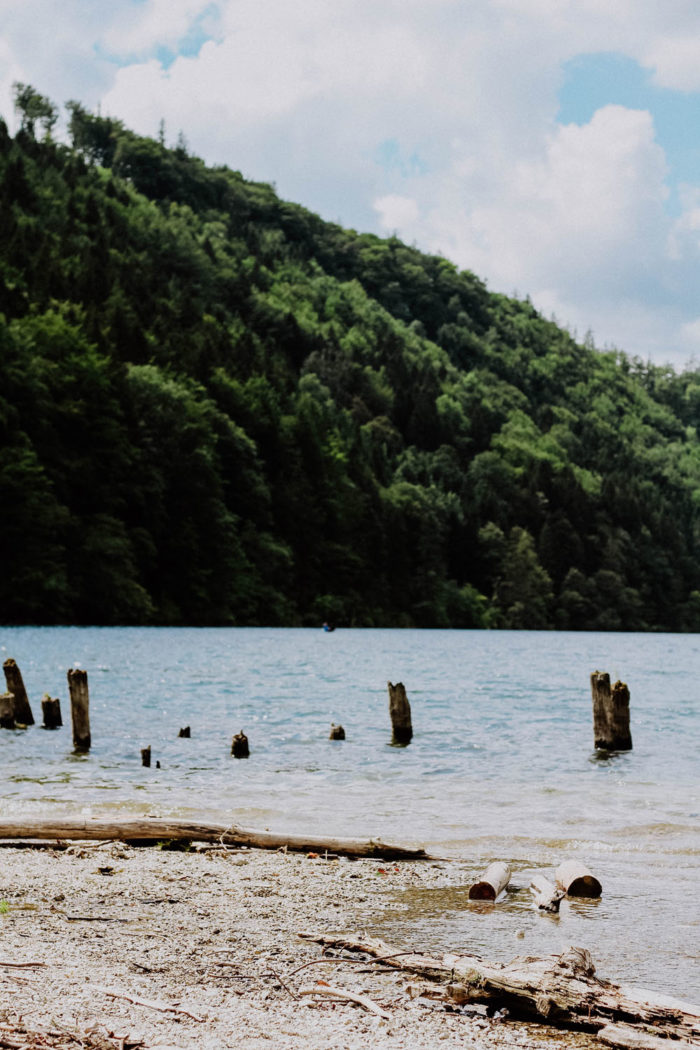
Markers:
point(305, 94)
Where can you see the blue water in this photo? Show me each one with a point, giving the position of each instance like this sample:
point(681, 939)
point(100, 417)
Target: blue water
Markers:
point(501, 765)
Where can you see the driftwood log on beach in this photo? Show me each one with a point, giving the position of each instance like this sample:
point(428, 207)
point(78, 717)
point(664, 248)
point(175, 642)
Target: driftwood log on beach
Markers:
point(146, 831)
point(559, 989)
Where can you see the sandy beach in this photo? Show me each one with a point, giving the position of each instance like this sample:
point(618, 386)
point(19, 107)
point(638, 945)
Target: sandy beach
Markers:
point(158, 948)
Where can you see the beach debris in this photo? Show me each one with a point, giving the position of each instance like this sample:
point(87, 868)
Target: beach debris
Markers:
point(400, 713)
point(80, 708)
point(15, 685)
point(493, 881)
point(146, 830)
point(558, 989)
point(337, 732)
point(547, 897)
point(576, 880)
point(51, 712)
point(611, 714)
point(151, 1004)
point(239, 746)
point(322, 988)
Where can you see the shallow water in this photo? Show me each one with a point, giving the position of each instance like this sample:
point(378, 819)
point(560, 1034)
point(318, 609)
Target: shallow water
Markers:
point(501, 765)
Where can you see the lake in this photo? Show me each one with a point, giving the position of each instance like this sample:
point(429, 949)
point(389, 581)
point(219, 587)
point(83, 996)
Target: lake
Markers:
point(501, 765)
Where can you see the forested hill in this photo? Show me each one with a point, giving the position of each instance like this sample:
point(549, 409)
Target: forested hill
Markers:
point(216, 408)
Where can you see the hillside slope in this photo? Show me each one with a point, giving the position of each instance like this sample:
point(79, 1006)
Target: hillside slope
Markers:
point(216, 408)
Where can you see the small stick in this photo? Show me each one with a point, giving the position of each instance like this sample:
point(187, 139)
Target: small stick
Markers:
point(153, 1004)
point(341, 993)
point(21, 965)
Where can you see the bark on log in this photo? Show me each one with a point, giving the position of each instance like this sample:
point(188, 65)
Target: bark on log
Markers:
point(576, 880)
point(7, 711)
point(611, 714)
point(561, 989)
point(547, 897)
point(79, 708)
point(337, 732)
point(159, 830)
point(400, 712)
point(51, 712)
point(492, 882)
point(15, 684)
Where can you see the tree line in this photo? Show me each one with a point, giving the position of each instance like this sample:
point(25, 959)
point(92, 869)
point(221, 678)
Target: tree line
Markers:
point(217, 408)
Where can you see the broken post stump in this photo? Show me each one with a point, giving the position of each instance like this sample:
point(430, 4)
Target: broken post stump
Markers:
point(51, 712)
point(146, 757)
point(577, 881)
point(492, 882)
point(547, 897)
point(15, 685)
point(611, 714)
point(239, 746)
point(79, 708)
point(400, 713)
point(7, 711)
point(185, 732)
point(337, 732)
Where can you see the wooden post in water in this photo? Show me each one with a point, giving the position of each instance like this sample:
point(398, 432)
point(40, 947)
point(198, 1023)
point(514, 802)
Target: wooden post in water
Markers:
point(337, 732)
point(7, 711)
point(611, 714)
point(15, 684)
point(492, 882)
point(51, 712)
point(400, 712)
point(79, 708)
point(576, 880)
point(185, 732)
point(239, 746)
point(146, 756)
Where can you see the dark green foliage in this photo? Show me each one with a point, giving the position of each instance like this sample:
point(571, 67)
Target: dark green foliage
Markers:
point(216, 408)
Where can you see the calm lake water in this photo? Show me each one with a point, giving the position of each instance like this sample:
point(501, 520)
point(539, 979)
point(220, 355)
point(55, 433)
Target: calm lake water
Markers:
point(501, 765)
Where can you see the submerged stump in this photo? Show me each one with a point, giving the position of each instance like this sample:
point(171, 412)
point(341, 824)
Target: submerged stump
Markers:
point(146, 757)
point(7, 711)
point(337, 732)
point(15, 685)
point(611, 714)
point(400, 713)
point(51, 712)
point(79, 708)
point(239, 746)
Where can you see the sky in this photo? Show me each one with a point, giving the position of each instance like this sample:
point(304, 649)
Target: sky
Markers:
point(552, 147)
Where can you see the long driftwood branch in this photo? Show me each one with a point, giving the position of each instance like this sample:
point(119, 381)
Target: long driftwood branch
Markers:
point(176, 830)
point(559, 989)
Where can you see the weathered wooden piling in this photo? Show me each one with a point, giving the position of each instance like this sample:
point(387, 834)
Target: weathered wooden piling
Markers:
point(79, 708)
point(400, 712)
point(239, 746)
point(7, 711)
point(547, 897)
point(185, 732)
point(337, 732)
point(577, 881)
point(15, 685)
point(493, 881)
point(146, 756)
point(51, 712)
point(611, 714)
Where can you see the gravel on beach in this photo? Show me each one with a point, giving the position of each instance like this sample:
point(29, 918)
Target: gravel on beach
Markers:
point(157, 948)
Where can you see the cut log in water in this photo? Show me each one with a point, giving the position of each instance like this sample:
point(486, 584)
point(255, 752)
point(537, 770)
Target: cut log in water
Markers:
point(15, 685)
point(400, 713)
point(547, 897)
point(178, 830)
point(51, 712)
point(7, 711)
point(611, 714)
point(575, 879)
point(559, 989)
point(492, 882)
point(80, 708)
